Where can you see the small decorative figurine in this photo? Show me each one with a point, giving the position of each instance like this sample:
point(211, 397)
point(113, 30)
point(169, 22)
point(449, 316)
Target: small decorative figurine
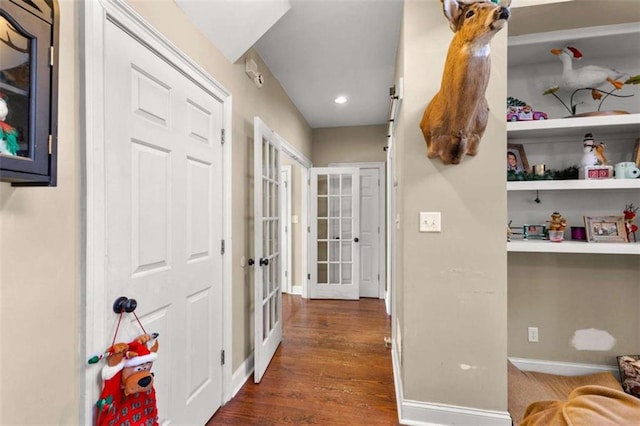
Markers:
point(594, 162)
point(557, 225)
point(518, 110)
point(588, 152)
point(8, 134)
point(629, 214)
point(589, 78)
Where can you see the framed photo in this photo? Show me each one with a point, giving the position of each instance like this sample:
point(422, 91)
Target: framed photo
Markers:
point(636, 153)
point(610, 229)
point(517, 159)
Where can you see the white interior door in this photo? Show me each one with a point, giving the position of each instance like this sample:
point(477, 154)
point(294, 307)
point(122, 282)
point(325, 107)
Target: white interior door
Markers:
point(369, 232)
point(267, 220)
point(163, 166)
point(334, 220)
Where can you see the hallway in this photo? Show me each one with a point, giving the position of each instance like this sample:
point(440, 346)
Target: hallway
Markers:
point(332, 368)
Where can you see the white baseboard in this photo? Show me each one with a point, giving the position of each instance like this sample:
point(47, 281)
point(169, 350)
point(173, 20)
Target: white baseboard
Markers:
point(296, 289)
point(429, 414)
point(241, 375)
point(387, 302)
point(397, 377)
point(418, 413)
point(562, 368)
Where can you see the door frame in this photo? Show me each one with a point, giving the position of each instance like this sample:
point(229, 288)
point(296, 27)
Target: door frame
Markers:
point(285, 236)
point(305, 164)
point(392, 222)
point(94, 308)
point(382, 246)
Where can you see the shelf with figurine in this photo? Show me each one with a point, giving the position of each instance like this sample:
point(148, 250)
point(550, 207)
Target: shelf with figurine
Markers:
point(590, 167)
point(604, 125)
point(570, 185)
point(547, 69)
point(568, 246)
point(615, 234)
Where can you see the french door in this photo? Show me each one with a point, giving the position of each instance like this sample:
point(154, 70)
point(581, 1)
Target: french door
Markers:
point(334, 255)
point(268, 220)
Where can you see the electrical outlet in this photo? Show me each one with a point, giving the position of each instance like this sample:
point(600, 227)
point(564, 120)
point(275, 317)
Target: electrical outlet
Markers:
point(532, 333)
point(430, 222)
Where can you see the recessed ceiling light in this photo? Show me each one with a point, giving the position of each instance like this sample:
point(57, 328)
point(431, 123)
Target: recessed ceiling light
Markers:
point(340, 100)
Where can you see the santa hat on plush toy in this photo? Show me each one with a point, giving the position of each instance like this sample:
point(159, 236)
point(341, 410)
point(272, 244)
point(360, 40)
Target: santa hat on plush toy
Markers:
point(137, 354)
point(144, 355)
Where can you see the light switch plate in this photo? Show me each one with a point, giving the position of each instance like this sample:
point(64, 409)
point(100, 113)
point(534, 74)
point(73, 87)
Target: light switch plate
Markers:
point(430, 222)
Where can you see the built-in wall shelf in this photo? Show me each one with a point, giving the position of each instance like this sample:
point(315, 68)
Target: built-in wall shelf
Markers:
point(602, 125)
point(570, 185)
point(609, 40)
point(537, 246)
point(556, 142)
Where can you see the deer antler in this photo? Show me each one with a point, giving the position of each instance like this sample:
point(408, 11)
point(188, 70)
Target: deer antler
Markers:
point(116, 353)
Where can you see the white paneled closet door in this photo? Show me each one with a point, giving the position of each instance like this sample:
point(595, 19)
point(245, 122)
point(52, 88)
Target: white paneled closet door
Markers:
point(163, 165)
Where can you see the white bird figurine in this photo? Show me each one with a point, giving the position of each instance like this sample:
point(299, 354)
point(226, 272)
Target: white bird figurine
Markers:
point(590, 76)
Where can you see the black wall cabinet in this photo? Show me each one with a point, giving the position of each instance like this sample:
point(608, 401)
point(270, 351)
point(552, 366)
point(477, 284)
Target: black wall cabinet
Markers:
point(28, 91)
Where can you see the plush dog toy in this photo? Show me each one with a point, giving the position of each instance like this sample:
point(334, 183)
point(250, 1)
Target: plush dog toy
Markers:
point(8, 134)
point(128, 396)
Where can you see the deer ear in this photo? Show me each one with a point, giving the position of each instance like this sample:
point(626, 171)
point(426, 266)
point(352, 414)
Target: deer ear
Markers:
point(451, 10)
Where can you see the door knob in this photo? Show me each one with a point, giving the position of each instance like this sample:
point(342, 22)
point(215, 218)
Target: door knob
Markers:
point(123, 304)
point(264, 262)
point(356, 239)
point(250, 262)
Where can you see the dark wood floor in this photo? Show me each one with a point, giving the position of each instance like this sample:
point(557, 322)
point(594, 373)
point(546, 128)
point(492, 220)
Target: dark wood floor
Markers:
point(332, 368)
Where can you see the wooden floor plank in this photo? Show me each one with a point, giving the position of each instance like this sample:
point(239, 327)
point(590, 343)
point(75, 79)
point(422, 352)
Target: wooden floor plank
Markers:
point(332, 368)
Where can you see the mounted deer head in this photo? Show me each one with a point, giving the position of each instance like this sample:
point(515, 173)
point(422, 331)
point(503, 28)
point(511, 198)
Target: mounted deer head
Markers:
point(455, 119)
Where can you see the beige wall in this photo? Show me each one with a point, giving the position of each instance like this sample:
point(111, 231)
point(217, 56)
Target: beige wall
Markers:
point(348, 144)
point(39, 272)
point(561, 294)
point(273, 106)
point(454, 283)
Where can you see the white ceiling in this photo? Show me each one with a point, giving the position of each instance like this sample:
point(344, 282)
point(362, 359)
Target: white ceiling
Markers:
point(233, 26)
point(321, 49)
point(318, 50)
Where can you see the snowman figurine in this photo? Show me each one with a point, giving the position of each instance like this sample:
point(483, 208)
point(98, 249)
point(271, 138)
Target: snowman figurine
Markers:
point(8, 134)
point(589, 157)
